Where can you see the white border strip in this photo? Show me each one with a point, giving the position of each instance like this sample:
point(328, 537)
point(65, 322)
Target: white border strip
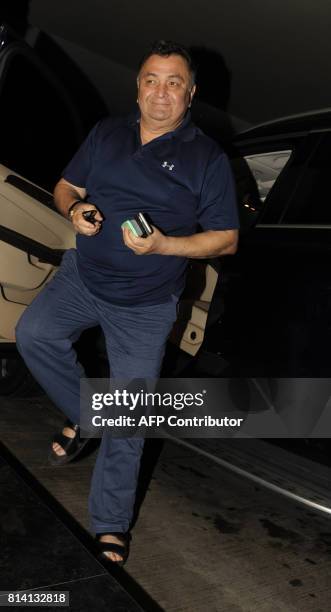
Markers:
point(290, 226)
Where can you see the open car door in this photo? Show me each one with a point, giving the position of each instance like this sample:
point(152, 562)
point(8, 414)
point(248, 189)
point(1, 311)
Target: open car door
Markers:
point(33, 237)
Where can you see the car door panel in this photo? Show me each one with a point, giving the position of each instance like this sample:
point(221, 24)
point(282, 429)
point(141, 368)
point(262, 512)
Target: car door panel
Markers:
point(31, 218)
point(277, 288)
point(32, 240)
point(16, 271)
point(280, 305)
point(10, 314)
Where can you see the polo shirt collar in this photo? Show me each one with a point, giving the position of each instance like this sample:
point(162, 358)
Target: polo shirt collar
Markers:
point(186, 131)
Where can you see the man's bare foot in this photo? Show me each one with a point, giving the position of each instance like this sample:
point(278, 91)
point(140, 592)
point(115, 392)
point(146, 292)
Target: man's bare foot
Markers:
point(114, 540)
point(69, 433)
point(66, 445)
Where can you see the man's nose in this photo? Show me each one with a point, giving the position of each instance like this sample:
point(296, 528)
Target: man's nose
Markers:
point(162, 89)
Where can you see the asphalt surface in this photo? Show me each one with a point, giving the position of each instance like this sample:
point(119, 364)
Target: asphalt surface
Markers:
point(205, 538)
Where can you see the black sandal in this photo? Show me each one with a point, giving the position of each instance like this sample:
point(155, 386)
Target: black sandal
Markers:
point(119, 549)
point(71, 446)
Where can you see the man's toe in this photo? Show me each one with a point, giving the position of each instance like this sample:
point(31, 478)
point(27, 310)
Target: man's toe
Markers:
point(69, 433)
point(58, 449)
point(113, 556)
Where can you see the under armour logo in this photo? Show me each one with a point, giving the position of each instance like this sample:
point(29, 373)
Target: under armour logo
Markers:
point(169, 166)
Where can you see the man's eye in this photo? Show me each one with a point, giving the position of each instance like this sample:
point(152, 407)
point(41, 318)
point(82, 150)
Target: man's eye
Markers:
point(173, 83)
point(151, 81)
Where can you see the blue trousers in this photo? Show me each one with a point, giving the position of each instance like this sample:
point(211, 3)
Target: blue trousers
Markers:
point(45, 334)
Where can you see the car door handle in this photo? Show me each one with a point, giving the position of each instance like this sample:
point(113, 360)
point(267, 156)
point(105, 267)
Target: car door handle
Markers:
point(44, 253)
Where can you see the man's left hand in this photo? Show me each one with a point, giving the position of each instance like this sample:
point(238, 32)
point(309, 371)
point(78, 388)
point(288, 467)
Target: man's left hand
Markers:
point(152, 245)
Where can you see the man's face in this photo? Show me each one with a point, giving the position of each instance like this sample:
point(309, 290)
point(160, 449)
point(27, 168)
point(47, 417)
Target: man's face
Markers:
point(164, 89)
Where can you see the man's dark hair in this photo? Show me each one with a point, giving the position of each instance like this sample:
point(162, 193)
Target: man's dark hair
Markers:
point(166, 48)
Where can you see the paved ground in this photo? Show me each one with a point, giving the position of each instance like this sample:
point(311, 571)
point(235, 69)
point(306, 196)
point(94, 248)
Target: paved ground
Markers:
point(205, 539)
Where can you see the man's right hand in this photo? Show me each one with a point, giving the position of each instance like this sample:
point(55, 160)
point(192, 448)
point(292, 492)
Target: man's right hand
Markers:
point(81, 225)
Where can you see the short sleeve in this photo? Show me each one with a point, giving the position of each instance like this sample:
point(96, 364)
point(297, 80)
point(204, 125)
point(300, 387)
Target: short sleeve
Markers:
point(217, 208)
point(78, 169)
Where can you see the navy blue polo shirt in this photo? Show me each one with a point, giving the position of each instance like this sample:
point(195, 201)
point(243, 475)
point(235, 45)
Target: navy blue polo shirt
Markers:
point(182, 180)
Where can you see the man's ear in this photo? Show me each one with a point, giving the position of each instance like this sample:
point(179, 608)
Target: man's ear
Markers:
point(192, 92)
point(137, 87)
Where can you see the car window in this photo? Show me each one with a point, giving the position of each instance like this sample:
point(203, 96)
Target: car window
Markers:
point(248, 199)
point(255, 174)
point(39, 132)
point(266, 168)
point(310, 202)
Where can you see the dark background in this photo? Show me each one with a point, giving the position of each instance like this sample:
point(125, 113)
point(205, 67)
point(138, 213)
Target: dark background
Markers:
point(266, 59)
point(277, 53)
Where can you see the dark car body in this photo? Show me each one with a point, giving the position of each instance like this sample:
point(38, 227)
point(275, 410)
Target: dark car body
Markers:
point(41, 125)
point(276, 291)
point(270, 317)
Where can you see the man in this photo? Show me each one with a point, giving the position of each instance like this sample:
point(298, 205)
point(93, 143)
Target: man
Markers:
point(158, 163)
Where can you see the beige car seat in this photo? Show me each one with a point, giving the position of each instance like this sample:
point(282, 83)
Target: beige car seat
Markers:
point(189, 329)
